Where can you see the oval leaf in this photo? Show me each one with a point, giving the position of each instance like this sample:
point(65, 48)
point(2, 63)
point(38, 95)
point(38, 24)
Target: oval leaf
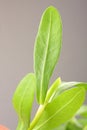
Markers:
point(23, 99)
point(67, 85)
point(61, 109)
point(47, 50)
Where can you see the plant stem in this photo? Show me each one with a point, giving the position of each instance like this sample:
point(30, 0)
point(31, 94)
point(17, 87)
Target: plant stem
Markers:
point(37, 116)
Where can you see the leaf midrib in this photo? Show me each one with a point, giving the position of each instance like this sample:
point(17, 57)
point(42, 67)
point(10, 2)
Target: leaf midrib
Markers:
point(44, 59)
point(59, 110)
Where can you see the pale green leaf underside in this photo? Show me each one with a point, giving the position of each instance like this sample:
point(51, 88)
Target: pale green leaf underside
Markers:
point(61, 109)
point(82, 111)
point(23, 99)
point(47, 50)
point(67, 85)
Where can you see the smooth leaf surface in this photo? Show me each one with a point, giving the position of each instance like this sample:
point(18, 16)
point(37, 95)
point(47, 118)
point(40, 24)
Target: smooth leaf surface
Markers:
point(47, 50)
point(82, 111)
point(67, 85)
point(61, 109)
point(61, 127)
point(52, 90)
point(23, 99)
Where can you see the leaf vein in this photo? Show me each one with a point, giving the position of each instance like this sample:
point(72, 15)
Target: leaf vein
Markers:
point(59, 110)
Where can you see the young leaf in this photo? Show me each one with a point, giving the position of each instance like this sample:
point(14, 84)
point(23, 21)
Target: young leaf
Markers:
point(61, 109)
point(67, 85)
point(52, 90)
point(82, 111)
point(47, 50)
point(23, 99)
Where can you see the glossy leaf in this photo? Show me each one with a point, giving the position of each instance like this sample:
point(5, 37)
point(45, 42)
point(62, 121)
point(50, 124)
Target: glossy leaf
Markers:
point(23, 99)
point(47, 50)
point(61, 109)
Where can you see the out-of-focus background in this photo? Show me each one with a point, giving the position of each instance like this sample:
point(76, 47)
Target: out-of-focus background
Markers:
point(19, 20)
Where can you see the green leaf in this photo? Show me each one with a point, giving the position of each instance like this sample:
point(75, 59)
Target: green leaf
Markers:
point(61, 127)
point(85, 128)
point(82, 111)
point(61, 109)
point(23, 99)
point(83, 121)
point(52, 90)
point(47, 50)
point(67, 85)
point(72, 126)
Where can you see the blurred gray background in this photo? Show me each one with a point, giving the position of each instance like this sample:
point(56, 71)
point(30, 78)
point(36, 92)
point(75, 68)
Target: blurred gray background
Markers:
point(19, 20)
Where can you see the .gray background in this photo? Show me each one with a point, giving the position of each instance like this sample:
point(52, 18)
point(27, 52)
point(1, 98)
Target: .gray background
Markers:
point(19, 21)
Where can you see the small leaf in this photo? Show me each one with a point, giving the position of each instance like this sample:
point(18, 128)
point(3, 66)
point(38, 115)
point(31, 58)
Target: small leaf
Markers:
point(52, 90)
point(23, 99)
point(61, 109)
point(47, 50)
point(67, 85)
point(82, 111)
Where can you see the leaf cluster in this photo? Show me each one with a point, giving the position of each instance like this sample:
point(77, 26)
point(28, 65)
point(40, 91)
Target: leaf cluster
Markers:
point(59, 103)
